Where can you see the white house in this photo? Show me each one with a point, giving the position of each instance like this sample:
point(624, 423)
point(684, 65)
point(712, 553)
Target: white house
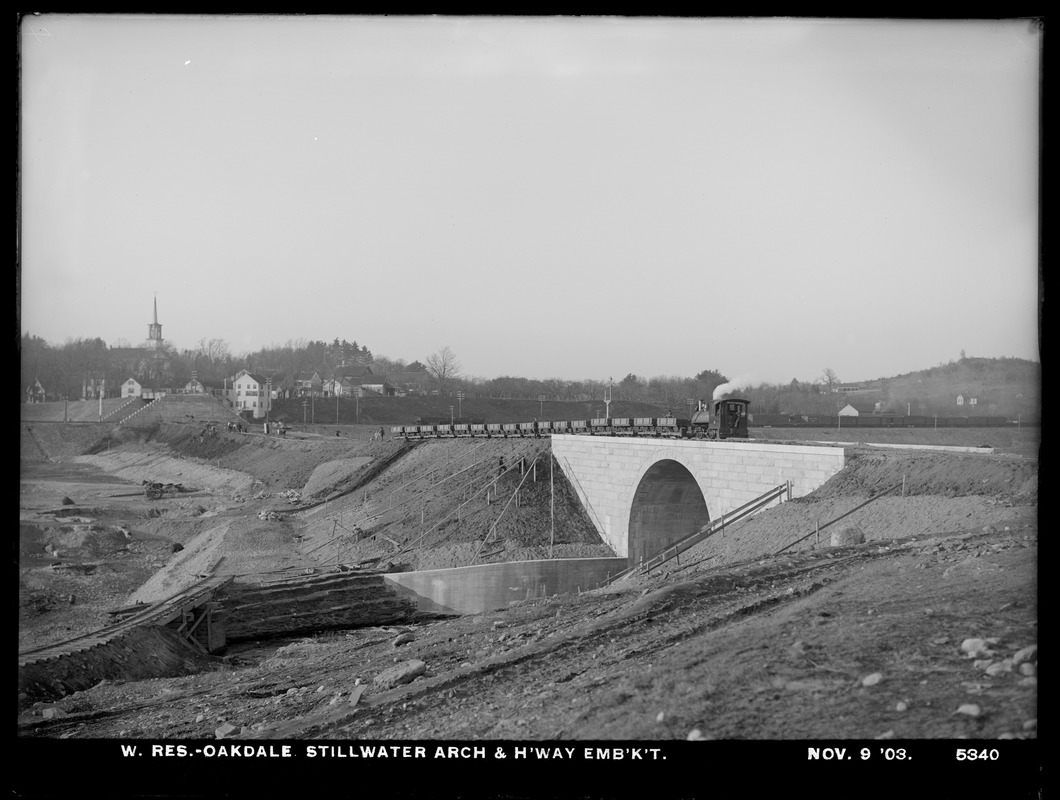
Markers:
point(249, 392)
point(131, 388)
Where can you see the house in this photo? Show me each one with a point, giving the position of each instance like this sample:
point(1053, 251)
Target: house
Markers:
point(409, 381)
point(308, 384)
point(337, 387)
point(859, 409)
point(347, 380)
point(35, 393)
point(194, 386)
point(960, 399)
point(143, 389)
point(373, 384)
point(250, 392)
point(132, 388)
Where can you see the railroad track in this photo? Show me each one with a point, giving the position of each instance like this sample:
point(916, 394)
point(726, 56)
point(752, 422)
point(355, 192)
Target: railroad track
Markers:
point(159, 614)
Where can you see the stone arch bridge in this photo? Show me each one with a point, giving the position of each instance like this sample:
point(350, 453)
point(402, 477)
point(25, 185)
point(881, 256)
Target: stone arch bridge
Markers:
point(644, 494)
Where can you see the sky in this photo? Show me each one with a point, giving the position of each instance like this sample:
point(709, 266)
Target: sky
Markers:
point(548, 197)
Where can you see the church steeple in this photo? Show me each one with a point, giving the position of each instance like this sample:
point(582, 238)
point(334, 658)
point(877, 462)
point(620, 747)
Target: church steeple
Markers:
point(154, 330)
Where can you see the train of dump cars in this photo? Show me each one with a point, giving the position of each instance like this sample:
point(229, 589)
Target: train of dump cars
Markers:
point(723, 419)
point(726, 420)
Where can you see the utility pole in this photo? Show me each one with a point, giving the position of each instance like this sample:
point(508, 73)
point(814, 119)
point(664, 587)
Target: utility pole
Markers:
point(607, 398)
point(304, 404)
point(268, 400)
point(541, 406)
point(451, 420)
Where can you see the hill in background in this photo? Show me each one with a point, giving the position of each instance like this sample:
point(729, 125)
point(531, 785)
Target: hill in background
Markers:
point(1008, 387)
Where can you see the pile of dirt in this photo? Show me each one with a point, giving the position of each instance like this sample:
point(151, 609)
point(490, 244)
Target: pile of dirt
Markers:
point(868, 472)
point(454, 503)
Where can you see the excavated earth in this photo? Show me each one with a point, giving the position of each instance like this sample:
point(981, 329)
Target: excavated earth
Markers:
point(926, 629)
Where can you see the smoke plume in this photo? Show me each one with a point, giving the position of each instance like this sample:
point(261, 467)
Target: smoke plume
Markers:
point(739, 382)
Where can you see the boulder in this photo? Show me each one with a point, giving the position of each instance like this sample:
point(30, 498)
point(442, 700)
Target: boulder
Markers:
point(847, 536)
point(405, 672)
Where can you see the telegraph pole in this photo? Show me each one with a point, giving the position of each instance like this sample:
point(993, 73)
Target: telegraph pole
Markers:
point(607, 398)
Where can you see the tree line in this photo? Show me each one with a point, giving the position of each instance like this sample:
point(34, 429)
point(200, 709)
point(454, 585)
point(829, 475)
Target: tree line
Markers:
point(63, 371)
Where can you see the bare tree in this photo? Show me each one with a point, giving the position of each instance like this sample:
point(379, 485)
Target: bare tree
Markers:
point(213, 350)
point(444, 367)
point(829, 378)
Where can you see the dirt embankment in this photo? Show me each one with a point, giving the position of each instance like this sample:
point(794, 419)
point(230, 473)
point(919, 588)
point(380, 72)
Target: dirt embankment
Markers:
point(254, 506)
point(926, 630)
point(454, 503)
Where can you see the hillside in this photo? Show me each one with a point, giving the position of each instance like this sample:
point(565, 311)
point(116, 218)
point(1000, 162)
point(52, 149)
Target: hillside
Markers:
point(1008, 387)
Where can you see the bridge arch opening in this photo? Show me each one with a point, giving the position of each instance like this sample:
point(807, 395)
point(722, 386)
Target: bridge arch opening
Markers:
point(667, 505)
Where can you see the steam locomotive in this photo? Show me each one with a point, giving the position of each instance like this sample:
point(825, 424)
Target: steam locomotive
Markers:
point(724, 419)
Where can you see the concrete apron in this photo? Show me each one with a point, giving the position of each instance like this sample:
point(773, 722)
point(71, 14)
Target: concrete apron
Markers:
point(486, 587)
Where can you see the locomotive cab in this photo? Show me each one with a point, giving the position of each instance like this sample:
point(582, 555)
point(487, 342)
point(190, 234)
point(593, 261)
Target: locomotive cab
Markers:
point(726, 420)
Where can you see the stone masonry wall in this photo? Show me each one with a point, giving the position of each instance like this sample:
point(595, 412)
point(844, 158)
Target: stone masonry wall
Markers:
point(606, 470)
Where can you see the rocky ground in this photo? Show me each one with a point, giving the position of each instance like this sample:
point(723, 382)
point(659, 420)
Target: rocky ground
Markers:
point(925, 630)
